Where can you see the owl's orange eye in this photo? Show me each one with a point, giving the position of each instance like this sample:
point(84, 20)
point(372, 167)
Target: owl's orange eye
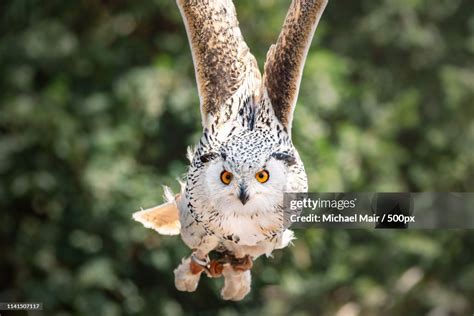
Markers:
point(262, 176)
point(226, 177)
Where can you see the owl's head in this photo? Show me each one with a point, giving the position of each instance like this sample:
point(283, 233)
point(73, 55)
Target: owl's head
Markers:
point(249, 171)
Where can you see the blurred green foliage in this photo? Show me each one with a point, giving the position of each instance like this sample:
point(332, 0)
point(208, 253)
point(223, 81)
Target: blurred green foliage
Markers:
point(98, 105)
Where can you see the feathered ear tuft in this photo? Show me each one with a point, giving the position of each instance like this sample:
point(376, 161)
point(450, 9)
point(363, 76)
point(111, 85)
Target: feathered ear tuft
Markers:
point(163, 218)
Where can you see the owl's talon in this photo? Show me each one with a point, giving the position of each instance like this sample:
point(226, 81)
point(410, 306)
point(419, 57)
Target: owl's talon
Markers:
point(242, 264)
point(215, 269)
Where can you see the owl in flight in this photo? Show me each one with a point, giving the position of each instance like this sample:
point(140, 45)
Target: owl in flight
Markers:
point(230, 208)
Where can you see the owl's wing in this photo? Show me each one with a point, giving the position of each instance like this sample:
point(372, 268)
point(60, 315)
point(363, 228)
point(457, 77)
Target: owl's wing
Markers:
point(285, 59)
point(222, 60)
point(163, 218)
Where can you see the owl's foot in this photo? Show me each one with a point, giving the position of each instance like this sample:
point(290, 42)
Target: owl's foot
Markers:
point(242, 264)
point(214, 269)
point(236, 283)
point(215, 266)
point(198, 265)
point(187, 274)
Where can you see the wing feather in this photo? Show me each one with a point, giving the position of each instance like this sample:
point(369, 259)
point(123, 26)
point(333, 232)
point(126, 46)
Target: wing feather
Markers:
point(163, 218)
point(285, 60)
point(222, 60)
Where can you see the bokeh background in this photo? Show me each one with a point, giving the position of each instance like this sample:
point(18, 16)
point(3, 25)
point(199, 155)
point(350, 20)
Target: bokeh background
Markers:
point(99, 102)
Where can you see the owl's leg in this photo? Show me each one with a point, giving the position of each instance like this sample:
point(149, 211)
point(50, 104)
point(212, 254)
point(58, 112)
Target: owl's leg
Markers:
point(186, 275)
point(207, 244)
point(236, 283)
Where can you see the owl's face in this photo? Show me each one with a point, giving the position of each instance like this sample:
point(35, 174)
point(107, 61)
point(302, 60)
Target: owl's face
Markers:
point(248, 173)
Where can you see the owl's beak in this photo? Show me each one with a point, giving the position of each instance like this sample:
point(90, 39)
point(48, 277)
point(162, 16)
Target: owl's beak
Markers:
point(243, 194)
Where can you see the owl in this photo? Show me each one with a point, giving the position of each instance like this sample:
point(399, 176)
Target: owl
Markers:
point(230, 209)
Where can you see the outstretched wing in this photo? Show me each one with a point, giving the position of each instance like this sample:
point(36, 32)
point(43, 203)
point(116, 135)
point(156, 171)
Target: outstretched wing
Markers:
point(163, 218)
point(222, 60)
point(285, 60)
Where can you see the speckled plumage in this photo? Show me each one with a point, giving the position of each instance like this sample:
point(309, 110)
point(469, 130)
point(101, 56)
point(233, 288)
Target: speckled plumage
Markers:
point(246, 129)
point(246, 145)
